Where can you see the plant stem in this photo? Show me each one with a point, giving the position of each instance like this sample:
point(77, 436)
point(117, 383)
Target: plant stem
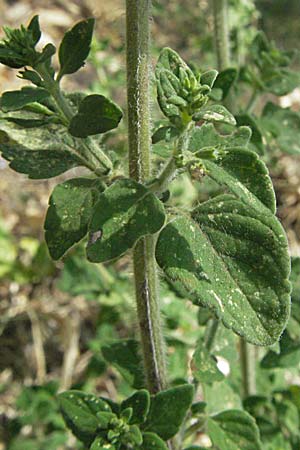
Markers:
point(211, 332)
point(220, 11)
point(145, 271)
point(92, 151)
point(247, 359)
point(252, 101)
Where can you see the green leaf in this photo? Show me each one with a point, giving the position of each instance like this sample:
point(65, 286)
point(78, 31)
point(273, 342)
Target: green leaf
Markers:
point(79, 411)
point(124, 212)
point(234, 430)
point(14, 100)
point(37, 164)
point(209, 78)
point(125, 357)
point(256, 138)
point(96, 114)
point(75, 47)
point(171, 61)
point(164, 134)
point(41, 152)
point(70, 210)
point(232, 258)
point(140, 404)
point(168, 410)
point(100, 444)
point(215, 113)
point(207, 136)
point(204, 365)
point(245, 175)
point(225, 81)
point(152, 442)
point(289, 355)
point(281, 128)
point(29, 123)
point(34, 27)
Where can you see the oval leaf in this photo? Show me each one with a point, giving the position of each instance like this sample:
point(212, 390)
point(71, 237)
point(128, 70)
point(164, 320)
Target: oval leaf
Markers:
point(215, 113)
point(168, 409)
point(152, 442)
point(233, 259)
point(124, 212)
point(14, 100)
point(140, 404)
point(75, 47)
point(96, 114)
point(70, 209)
point(234, 430)
point(79, 411)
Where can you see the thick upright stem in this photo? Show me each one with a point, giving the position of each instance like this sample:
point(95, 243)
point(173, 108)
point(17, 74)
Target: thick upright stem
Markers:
point(221, 28)
point(138, 36)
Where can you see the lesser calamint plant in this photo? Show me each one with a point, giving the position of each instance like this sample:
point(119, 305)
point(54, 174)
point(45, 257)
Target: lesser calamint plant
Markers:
point(228, 255)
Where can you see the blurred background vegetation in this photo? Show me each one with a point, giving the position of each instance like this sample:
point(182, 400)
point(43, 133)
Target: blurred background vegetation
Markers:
point(55, 317)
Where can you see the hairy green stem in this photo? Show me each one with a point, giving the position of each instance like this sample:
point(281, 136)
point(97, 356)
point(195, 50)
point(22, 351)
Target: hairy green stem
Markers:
point(145, 271)
point(247, 359)
point(91, 150)
point(220, 11)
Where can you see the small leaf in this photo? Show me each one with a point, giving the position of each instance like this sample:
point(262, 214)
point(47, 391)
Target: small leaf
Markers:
point(215, 113)
point(140, 404)
point(75, 47)
point(280, 82)
point(100, 444)
point(168, 410)
point(207, 136)
point(164, 134)
point(225, 81)
point(209, 78)
point(204, 365)
point(124, 356)
point(124, 212)
point(79, 411)
point(70, 209)
point(152, 442)
point(14, 100)
point(233, 259)
point(34, 27)
point(171, 61)
point(289, 355)
point(256, 138)
point(234, 430)
point(96, 114)
point(281, 128)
